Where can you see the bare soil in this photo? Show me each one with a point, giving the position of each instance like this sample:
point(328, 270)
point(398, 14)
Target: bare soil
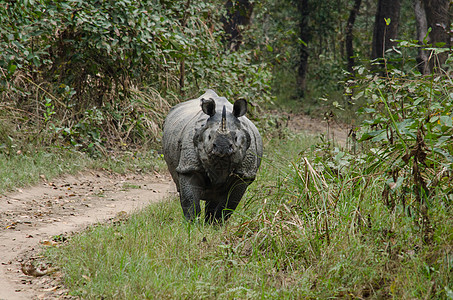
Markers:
point(38, 216)
point(334, 131)
point(32, 218)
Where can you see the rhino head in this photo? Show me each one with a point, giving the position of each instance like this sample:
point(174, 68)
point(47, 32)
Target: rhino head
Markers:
point(222, 141)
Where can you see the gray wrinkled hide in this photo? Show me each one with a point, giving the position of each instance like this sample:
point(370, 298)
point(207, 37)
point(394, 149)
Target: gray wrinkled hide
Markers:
point(207, 161)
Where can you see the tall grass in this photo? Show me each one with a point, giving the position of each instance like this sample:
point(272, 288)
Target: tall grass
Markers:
point(312, 225)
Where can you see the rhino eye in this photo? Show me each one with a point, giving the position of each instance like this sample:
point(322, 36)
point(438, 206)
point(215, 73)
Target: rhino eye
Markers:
point(209, 137)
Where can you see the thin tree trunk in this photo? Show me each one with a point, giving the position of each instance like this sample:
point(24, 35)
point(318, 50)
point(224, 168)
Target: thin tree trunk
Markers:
point(182, 64)
point(305, 35)
point(422, 31)
point(350, 37)
point(438, 18)
point(383, 34)
point(239, 13)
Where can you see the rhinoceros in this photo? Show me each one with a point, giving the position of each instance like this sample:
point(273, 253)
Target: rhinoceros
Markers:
point(213, 153)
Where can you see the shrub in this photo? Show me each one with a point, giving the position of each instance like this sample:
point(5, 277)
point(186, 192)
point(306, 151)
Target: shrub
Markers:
point(65, 60)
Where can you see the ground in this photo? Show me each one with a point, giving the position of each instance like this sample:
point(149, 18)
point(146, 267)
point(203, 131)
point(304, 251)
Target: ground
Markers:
point(31, 218)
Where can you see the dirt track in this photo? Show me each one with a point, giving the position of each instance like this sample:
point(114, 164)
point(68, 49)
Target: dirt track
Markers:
point(336, 132)
point(32, 216)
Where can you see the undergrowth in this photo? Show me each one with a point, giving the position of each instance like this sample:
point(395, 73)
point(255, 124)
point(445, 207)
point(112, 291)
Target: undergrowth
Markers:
point(96, 76)
point(314, 225)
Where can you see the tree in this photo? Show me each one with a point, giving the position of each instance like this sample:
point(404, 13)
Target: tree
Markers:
point(432, 14)
point(422, 31)
point(383, 34)
point(238, 14)
point(349, 35)
point(305, 36)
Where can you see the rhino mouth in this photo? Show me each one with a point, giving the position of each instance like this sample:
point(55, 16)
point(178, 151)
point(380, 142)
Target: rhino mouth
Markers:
point(222, 148)
point(222, 153)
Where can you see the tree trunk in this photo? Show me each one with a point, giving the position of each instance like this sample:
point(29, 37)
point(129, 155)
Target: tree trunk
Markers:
point(383, 34)
point(305, 35)
point(422, 31)
point(350, 37)
point(182, 64)
point(239, 13)
point(438, 18)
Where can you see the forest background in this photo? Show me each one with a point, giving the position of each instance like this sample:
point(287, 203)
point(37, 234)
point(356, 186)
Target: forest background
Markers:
point(98, 77)
point(96, 74)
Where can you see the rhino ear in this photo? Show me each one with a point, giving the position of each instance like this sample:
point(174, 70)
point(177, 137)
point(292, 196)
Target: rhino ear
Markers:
point(208, 106)
point(239, 108)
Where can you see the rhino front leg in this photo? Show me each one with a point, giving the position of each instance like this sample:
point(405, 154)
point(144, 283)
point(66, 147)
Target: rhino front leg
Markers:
point(222, 207)
point(190, 192)
point(234, 197)
point(210, 211)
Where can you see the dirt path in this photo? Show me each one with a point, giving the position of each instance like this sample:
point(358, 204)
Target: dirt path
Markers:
point(334, 131)
point(30, 217)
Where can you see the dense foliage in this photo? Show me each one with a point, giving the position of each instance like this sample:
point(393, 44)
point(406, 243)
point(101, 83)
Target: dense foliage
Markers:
point(371, 219)
point(92, 72)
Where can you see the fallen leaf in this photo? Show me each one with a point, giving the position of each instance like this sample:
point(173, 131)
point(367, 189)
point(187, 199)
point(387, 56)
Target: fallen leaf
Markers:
point(29, 269)
point(11, 226)
point(51, 289)
point(49, 243)
point(86, 278)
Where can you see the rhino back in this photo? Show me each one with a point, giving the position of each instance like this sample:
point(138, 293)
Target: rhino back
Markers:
point(178, 133)
point(180, 124)
point(179, 129)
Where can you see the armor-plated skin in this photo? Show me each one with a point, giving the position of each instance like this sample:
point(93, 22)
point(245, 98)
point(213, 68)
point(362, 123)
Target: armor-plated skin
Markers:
point(213, 153)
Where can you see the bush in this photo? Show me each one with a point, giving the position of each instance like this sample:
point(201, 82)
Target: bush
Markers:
point(408, 129)
point(82, 67)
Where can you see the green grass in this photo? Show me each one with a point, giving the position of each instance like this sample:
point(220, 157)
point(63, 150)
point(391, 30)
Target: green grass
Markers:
point(311, 226)
point(20, 169)
point(152, 255)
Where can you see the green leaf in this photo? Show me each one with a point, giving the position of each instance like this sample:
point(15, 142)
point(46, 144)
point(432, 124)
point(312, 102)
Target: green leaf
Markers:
point(446, 121)
point(418, 100)
point(12, 68)
point(300, 41)
point(377, 135)
point(369, 110)
point(444, 153)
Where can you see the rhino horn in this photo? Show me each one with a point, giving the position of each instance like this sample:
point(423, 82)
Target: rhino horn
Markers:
point(223, 127)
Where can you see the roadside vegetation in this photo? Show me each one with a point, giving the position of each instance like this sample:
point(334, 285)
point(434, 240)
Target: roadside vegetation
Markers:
point(317, 223)
point(87, 84)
